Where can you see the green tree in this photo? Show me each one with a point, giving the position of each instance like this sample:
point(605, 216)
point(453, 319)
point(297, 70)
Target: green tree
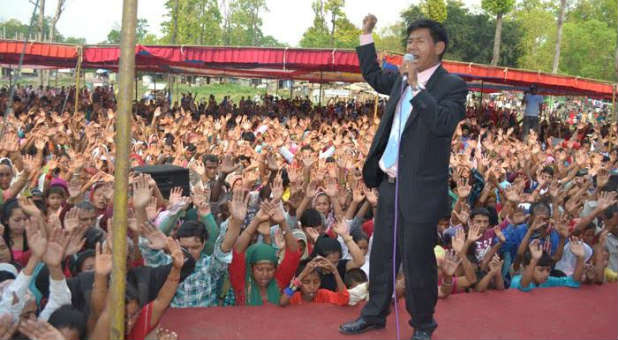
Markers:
point(391, 38)
point(588, 49)
point(497, 8)
point(113, 37)
point(341, 33)
point(537, 37)
point(335, 8)
point(435, 10)
point(317, 35)
point(198, 22)
point(245, 22)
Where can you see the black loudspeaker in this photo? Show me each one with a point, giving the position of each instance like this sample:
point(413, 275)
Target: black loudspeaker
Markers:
point(167, 177)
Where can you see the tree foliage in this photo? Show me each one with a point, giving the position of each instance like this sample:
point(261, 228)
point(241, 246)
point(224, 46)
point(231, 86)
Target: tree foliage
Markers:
point(15, 29)
point(435, 10)
point(497, 7)
point(331, 27)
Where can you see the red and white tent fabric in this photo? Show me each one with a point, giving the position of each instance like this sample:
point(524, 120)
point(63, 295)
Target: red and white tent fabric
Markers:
point(315, 65)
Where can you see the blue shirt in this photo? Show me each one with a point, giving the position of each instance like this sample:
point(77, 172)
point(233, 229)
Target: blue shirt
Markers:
point(532, 104)
point(552, 281)
point(514, 234)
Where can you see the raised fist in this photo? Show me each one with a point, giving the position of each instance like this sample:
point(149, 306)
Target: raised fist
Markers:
point(369, 22)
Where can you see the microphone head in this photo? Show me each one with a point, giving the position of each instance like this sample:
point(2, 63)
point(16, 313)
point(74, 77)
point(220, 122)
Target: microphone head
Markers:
point(408, 57)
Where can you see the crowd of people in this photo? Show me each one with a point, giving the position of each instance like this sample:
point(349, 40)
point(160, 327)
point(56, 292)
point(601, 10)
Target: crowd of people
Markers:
point(276, 211)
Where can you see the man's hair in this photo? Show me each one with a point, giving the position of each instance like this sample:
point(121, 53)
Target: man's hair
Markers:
point(540, 206)
point(193, 229)
point(311, 218)
point(70, 317)
point(85, 205)
point(548, 170)
point(211, 158)
point(479, 211)
point(544, 261)
point(355, 275)
point(437, 31)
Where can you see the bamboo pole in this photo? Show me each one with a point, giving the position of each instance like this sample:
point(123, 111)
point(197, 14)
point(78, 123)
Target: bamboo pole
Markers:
point(77, 77)
point(126, 76)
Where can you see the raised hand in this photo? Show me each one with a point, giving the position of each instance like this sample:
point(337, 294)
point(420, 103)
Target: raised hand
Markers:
point(277, 188)
point(451, 262)
point(227, 165)
point(141, 192)
point(535, 249)
point(7, 326)
point(173, 247)
point(28, 206)
point(175, 196)
point(372, 196)
point(238, 204)
point(71, 219)
point(458, 241)
point(156, 239)
point(56, 246)
point(577, 247)
point(313, 233)
point(463, 188)
point(369, 22)
point(30, 163)
point(312, 187)
point(76, 241)
point(499, 234)
point(151, 210)
point(512, 193)
point(606, 199)
point(331, 186)
point(358, 192)
point(602, 177)
point(39, 329)
point(276, 213)
point(102, 260)
point(36, 240)
point(341, 227)
point(198, 167)
point(474, 233)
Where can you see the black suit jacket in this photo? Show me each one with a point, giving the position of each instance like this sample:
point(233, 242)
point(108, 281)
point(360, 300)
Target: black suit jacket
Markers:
point(424, 152)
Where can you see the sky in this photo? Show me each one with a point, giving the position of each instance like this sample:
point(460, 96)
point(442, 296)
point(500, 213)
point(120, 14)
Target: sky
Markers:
point(286, 20)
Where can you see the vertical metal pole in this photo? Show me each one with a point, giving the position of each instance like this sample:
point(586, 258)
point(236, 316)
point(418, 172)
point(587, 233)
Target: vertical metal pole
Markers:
point(480, 101)
point(136, 87)
point(78, 78)
point(614, 101)
point(321, 80)
point(126, 76)
point(291, 88)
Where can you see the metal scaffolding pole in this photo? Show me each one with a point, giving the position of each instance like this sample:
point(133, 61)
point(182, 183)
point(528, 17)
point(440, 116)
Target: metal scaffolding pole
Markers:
point(78, 78)
point(126, 77)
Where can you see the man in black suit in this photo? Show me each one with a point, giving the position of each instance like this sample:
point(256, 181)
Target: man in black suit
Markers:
point(423, 111)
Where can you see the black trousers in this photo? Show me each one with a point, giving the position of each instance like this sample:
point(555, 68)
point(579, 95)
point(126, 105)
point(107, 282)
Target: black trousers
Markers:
point(415, 243)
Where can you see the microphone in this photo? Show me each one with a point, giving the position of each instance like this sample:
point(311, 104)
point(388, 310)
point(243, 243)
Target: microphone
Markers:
point(410, 59)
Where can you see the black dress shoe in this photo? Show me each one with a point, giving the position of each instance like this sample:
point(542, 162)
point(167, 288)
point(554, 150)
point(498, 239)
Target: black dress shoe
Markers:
point(359, 326)
point(421, 335)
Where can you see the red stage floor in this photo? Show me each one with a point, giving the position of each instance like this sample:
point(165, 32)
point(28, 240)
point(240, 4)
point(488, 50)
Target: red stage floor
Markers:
point(590, 312)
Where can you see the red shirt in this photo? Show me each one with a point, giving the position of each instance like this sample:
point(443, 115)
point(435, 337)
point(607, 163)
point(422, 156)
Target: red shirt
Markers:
point(142, 326)
point(323, 296)
point(284, 273)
